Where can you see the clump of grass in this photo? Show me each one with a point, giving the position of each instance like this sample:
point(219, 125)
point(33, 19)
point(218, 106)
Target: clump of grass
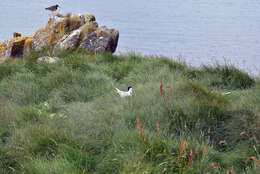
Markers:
point(31, 114)
point(77, 61)
point(22, 88)
point(221, 76)
point(238, 130)
point(173, 66)
point(196, 107)
point(11, 67)
point(8, 161)
point(82, 160)
point(41, 140)
point(56, 165)
point(229, 77)
point(119, 70)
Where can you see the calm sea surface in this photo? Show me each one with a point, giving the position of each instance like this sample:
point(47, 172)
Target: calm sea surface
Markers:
point(201, 31)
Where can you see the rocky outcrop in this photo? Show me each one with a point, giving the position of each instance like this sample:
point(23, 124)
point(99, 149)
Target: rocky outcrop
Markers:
point(63, 32)
point(13, 47)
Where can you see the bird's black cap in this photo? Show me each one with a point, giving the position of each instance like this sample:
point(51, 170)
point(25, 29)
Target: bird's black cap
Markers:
point(129, 87)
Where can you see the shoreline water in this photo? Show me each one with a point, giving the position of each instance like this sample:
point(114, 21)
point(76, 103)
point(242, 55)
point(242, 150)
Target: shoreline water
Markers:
point(198, 30)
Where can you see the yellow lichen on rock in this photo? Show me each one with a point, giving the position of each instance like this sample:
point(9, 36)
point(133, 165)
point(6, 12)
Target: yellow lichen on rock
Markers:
point(49, 23)
point(61, 29)
point(28, 42)
point(27, 45)
point(39, 39)
point(50, 39)
point(2, 48)
point(19, 38)
point(12, 47)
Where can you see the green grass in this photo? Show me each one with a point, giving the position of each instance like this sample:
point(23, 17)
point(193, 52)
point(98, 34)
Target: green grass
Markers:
point(66, 117)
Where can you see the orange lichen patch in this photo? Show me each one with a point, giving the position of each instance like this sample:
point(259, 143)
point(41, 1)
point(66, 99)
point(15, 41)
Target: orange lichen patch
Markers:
point(28, 42)
point(47, 40)
point(50, 22)
point(61, 28)
point(2, 48)
point(39, 39)
point(19, 38)
point(27, 45)
point(99, 33)
point(51, 34)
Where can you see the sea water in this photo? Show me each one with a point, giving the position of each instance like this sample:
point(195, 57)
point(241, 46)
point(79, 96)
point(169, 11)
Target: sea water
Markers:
point(200, 32)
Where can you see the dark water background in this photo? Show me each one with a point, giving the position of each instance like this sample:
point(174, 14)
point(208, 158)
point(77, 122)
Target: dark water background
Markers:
point(201, 31)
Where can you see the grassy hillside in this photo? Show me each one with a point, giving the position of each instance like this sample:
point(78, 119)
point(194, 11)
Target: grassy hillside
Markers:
point(66, 117)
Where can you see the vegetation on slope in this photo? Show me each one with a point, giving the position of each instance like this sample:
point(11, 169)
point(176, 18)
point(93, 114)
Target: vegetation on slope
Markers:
point(66, 117)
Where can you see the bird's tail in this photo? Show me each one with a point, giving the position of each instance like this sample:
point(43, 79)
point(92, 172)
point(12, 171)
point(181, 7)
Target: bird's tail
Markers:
point(117, 90)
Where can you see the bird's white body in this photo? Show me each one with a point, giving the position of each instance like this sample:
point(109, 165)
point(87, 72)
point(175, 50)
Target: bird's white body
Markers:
point(124, 93)
point(226, 93)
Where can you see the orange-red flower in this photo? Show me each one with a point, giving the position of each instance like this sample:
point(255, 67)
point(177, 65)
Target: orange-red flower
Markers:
point(191, 158)
point(158, 129)
point(162, 92)
point(214, 166)
point(184, 146)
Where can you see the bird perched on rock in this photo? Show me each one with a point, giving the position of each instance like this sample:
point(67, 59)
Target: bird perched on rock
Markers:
point(124, 93)
point(52, 8)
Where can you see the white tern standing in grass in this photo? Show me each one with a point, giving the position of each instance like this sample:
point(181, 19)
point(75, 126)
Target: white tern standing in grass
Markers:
point(125, 94)
point(226, 93)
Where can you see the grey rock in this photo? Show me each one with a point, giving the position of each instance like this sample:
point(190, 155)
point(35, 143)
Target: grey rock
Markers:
point(48, 59)
point(40, 41)
point(70, 42)
point(100, 41)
